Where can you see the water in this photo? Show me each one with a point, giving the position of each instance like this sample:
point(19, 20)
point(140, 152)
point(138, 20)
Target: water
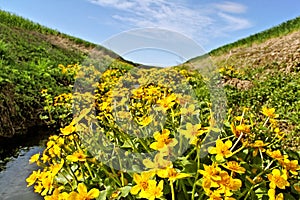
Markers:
point(15, 168)
point(12, 179)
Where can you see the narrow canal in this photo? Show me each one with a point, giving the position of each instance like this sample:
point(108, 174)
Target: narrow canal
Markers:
point(14, 165)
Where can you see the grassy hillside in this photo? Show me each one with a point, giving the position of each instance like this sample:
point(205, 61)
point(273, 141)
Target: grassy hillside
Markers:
point(29, 59)
point(264, 69)
point(276, 31)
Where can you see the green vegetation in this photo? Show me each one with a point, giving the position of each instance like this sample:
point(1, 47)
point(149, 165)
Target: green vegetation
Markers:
point(142, 134)
point(14, 21)
point(277, 31)
point(255, 157)
point(29, 60)
point(270, 87)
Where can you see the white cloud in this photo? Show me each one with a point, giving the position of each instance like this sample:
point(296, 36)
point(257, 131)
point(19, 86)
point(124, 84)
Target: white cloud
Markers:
point(231, 7)
point(200, 22)
point(234, 23)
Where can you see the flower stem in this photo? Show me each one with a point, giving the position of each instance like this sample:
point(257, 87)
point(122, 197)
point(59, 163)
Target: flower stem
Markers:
point(241, 135)
point(197, 174)
point(172, 190)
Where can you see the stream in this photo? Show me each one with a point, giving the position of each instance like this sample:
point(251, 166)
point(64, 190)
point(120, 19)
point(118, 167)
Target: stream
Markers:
point(14, 165)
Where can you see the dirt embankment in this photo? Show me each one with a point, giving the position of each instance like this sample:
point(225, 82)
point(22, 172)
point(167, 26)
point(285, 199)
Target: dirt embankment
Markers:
point(284, 51)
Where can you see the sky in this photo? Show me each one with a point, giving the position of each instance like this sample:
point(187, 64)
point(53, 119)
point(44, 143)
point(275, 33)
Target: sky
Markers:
point(199, 24)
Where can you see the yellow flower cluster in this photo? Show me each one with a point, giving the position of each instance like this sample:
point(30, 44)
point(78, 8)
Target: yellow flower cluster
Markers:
point(129, 106)
point(58, 160)
point(64, 99)
point(148, 188)
point(69, 69)
point(217, 183)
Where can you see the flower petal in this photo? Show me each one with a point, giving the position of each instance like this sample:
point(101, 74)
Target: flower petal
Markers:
point(93, 193)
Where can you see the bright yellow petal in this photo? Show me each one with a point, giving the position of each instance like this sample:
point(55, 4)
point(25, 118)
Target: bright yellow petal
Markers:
point(154, 146)
point(228, 143)
point(219, 142)
point(276, 172)
point(272, 185)
point(271, 194)
point(135, 189)
point(219, 157)
point(147, 175)
point(93, 193)
point(136, 178)
point(156, 135)
point(160, 184)
point(163, 173)
point(82, 188)
point(148, 163)
point(189, 126)
point(73, 195)
point(212, 150)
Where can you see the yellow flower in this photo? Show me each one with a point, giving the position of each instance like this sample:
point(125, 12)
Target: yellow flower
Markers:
point(33, 177)
point(68, 129)
point(291, 166)
point(211, 172)
point(141, 182)
point(278, 179)
point(276, 155)
point(34, 158)
point(297, 187)
point(235, 167)
point(189, 111)
point(158, 163)
point(211, 176)
point(84, 194)
point(47, 182)
point(272, 196)
point(56, 168)
point(192, 131)
point(146, 121)
point(221, 149)
point(115, 194)
point(227, 183)
point(38, 188)
point(237, 130)
point(171, 174)
point(45, 158)
point(215, 195)
point(138, 93)
point(54, 196)
point(258, 145)
point(163, 140)
point(77, 156)
point(167, 102)
point(50, 144)
point(55, 150)
point(44, 91)
point(269, 112)
point(153, 191)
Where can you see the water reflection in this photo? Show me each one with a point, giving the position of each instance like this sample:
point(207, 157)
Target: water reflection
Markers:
point(14, 165)
point(12, 179)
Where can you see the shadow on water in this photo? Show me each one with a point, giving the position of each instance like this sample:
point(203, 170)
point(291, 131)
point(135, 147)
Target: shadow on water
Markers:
point(14, 164)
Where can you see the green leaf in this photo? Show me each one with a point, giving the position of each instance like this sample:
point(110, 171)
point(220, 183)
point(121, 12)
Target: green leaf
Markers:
point(102, 195)
point(125, 191)
point(127, 144)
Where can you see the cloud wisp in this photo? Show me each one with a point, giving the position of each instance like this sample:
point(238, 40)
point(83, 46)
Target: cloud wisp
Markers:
point(201, 22)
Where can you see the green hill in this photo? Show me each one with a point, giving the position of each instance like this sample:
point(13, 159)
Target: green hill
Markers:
point(29, 57)
point(263, 69)
point(282, 29)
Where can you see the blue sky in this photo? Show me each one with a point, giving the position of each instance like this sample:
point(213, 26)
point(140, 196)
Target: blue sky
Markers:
point(209, 23)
